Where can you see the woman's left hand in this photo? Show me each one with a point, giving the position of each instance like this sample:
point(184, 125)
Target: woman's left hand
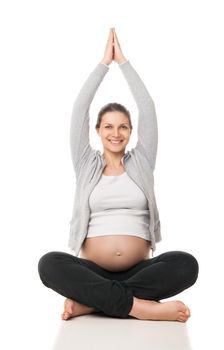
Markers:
point(118, 55)
point(108, 53)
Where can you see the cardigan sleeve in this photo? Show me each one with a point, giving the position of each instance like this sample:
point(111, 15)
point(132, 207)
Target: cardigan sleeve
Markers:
point(147, 121)
point(79, 127)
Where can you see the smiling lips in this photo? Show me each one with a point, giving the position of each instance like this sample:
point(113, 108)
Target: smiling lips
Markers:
point(115, 142)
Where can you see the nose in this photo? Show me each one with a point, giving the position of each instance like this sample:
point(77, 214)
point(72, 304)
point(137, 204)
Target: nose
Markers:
point(116, 132)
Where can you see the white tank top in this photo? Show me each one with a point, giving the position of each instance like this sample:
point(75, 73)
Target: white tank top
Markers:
point(118, 207)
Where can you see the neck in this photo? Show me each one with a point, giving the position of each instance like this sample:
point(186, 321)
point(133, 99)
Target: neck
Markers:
point(113, 160)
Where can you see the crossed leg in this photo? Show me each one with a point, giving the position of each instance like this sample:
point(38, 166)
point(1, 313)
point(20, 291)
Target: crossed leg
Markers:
point(145, 309)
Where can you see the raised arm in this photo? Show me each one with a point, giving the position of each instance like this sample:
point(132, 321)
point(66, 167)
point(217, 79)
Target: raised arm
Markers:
point(147, 121)
point(79, 129)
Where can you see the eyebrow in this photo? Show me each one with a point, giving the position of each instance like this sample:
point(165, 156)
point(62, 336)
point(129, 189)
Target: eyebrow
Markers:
point(112, 124)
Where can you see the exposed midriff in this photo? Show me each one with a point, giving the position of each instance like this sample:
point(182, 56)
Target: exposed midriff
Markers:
point(115, 252)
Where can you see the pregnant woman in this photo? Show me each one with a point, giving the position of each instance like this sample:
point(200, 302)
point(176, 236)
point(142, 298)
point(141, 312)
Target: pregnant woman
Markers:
point(115, 223)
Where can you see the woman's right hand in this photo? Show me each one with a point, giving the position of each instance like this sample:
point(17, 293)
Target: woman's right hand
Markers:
point(109, 50)
point(118, 54)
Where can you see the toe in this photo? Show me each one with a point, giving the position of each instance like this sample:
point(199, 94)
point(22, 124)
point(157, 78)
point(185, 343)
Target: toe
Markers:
point(182, 316)
point(188, 313)
point(66, 315)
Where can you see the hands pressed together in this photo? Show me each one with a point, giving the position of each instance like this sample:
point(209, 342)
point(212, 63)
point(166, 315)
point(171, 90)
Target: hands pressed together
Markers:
point(113, 50)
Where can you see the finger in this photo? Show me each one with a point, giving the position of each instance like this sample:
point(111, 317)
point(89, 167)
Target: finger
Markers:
point(110, 37)
point(115, 35)
point(111, 40)
point(116, 40)
point(111, 33)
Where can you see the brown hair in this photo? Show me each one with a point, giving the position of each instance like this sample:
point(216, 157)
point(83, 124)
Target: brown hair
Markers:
point(110, 107)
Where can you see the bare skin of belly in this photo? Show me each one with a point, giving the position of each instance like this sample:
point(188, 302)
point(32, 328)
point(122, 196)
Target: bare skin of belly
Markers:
point(115, 253)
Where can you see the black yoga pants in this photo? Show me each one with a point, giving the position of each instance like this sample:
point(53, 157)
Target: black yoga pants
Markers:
point(112, 293)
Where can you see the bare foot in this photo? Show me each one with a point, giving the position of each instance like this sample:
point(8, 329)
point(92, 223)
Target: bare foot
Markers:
point(72, 308)
point(153, 310)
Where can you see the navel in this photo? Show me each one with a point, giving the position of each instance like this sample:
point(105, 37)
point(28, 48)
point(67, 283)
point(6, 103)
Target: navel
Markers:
point(118, 253)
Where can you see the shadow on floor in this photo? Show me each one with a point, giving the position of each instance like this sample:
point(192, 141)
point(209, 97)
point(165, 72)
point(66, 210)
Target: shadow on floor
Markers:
point(98, 331)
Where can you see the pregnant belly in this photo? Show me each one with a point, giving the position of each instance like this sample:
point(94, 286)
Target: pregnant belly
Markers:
point(117, 252)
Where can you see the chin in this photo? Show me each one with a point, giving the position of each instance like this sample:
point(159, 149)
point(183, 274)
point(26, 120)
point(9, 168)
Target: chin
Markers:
point(118, 150)
point(114, 149)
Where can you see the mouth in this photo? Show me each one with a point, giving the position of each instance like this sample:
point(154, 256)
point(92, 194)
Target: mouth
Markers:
point(115, 142)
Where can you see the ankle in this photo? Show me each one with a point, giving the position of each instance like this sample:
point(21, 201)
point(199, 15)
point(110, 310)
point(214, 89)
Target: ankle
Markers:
point(134, 307)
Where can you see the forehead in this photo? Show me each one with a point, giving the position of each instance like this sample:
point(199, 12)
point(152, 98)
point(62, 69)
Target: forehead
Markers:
point(115, 117)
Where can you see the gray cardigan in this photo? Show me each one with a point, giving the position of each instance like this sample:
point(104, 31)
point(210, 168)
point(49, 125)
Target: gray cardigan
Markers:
point(139, 163)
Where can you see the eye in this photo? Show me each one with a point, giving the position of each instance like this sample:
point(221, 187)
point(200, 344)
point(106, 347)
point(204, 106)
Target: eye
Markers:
point(123, 126)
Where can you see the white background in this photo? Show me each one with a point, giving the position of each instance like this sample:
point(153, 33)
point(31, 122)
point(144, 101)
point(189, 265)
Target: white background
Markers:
point(48, 48)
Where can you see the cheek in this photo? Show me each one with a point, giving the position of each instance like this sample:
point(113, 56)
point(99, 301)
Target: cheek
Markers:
point(127, 135)
point(104, 134)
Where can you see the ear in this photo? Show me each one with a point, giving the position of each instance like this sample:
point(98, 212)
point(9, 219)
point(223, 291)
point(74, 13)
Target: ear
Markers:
point(98, 131)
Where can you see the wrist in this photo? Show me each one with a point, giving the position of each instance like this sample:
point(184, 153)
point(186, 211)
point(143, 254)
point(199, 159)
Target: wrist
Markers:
point(105, 62)
point(122, 60)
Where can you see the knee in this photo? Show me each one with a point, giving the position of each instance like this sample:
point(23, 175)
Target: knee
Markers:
point(47, 264)
point(184, 264)
point(189, 266)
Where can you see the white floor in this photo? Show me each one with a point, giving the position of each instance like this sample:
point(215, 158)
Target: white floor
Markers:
point(101, 332)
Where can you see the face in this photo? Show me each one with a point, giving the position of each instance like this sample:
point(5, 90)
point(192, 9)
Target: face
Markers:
point(114, 127)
